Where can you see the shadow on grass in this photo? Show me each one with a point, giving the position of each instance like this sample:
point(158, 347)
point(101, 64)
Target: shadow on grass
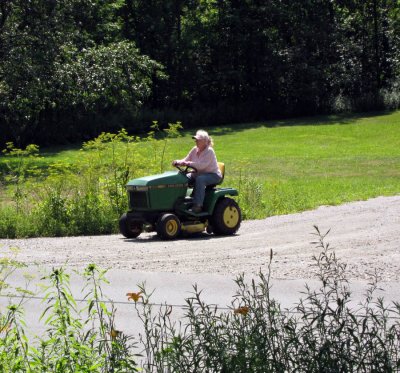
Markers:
point(320, 120)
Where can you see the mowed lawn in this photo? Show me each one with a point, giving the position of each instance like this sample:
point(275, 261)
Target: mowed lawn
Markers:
point(286, 166)
point(304, 163)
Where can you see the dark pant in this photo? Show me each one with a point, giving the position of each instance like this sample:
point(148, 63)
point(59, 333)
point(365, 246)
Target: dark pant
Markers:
point(200, 183)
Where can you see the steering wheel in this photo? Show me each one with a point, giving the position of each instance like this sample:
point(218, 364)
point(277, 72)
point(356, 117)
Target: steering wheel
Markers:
point(186, 169)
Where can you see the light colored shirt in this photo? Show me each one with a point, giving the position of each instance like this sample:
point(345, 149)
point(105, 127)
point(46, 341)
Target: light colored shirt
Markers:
point(203, 162)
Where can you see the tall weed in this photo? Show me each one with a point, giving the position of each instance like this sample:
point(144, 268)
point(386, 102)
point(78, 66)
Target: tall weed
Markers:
point(250, 198)
point(85, 198)
point(159, 140)
point(75, 340)
point(20, 165)
point(321, 333)
point(109, 160)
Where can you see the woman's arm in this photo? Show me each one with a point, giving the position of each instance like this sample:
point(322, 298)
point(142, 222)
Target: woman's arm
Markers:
point(206, 163)
point(185, 161)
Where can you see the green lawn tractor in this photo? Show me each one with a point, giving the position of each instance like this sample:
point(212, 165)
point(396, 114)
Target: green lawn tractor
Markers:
point(162, 203)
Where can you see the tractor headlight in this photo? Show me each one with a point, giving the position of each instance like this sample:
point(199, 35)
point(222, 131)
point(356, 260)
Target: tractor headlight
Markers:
point(137, 188)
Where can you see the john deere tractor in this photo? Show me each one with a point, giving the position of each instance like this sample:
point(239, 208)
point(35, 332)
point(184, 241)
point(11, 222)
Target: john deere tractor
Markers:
point(163, 202)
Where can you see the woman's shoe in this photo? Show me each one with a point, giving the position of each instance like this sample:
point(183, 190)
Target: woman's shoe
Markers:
point(196, 209)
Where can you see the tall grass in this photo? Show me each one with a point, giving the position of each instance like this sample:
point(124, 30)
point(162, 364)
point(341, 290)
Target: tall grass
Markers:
point(84, 197)
point(75, 340)
point(279, 167)
point(321, 333)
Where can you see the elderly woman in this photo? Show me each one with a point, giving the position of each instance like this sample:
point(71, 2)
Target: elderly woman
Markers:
point(202, 158)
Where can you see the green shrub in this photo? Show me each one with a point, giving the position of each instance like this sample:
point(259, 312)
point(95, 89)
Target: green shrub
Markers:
point(87, 197)
point(51, 210)
point(75, 340)
point(251, 198)
point(90, 213)
point(8, 222)
point(321, 334)
point(15, 224)
point(391, 98)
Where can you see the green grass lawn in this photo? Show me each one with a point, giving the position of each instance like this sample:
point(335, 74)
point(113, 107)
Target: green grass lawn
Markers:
point(304, 163)
point(294, 165)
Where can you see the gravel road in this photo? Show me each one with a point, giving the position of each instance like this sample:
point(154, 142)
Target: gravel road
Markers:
point(365, 235)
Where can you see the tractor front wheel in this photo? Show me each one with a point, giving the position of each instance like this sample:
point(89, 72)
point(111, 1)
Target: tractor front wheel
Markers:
point(227, 217)
point(168, 226)
point(129, 228)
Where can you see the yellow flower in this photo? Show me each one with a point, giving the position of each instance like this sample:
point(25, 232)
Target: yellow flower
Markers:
point(134, 296)
point(244, 310)
point(5, 328)
point(114, 333)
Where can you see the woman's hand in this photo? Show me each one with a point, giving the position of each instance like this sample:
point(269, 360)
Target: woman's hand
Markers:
point(180, 163)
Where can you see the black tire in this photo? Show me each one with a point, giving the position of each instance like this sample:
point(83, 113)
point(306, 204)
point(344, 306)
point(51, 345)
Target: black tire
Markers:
point(168, 226)
point(226, 217)
point(129, 228)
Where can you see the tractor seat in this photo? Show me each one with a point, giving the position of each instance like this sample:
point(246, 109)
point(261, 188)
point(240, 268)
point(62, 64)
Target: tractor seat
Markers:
point(221, 167)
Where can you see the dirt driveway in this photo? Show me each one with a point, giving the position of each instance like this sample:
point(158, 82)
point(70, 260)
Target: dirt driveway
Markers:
point(365, 235)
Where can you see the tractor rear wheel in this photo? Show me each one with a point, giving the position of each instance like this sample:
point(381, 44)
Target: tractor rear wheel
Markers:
point(168, 226)
point(129, 228)
point(227, 217)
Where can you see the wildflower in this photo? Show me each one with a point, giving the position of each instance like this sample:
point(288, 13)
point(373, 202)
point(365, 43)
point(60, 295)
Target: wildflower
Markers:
point(5, 328)
point(134, 296)
point(114, 333)
point(244, 310)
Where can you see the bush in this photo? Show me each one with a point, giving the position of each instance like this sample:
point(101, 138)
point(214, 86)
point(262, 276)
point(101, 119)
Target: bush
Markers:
point(75, 340)
point(8, 222)
point(251, 198)
point(391, 98)
point(321, 334)
point(386, 99)
point(86, 198)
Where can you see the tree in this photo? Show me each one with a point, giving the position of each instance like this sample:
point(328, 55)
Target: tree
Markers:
point(370, 50)
point(77, 67)
point(57, 72)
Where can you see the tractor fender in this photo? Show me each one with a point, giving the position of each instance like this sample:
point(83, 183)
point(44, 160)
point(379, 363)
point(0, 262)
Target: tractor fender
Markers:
point(214, 195)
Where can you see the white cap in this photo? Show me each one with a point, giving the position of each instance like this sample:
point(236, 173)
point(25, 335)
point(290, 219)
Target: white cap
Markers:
point(201, 135)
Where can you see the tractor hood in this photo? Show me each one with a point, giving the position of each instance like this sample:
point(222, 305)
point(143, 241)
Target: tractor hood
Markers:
point(167, 179)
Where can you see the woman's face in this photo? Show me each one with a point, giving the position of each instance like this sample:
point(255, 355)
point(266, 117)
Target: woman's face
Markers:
point(201, 144)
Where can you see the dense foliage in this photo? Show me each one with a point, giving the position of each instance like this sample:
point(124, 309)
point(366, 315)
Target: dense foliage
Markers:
point(83, 197)
point(71, 69)
point(65, 72)
point(323, 332)
point(74, 338)
point(292, 166)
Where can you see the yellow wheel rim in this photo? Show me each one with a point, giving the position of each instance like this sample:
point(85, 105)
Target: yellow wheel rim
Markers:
point(231, 216)
point(172, 227)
